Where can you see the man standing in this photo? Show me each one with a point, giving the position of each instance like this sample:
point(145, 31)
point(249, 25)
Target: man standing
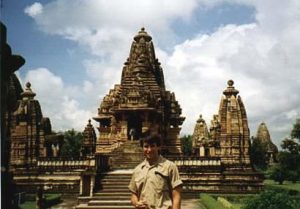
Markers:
point(155, 182)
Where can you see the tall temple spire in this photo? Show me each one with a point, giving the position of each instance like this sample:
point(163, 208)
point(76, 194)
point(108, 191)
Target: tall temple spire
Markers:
point(234, 135)
point(142, 61)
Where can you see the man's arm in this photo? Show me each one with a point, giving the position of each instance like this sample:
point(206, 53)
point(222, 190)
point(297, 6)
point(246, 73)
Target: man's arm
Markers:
point(176, 196)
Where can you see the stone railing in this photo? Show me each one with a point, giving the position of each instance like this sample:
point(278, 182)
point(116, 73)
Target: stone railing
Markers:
point(65, 163)
point(196, 161)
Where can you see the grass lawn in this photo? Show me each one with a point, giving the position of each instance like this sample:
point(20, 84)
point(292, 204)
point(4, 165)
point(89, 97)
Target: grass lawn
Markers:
point(286, 185)
point(28, 205)
point(50, 198)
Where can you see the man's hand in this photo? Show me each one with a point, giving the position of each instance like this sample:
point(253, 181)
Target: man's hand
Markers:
point(141, 205)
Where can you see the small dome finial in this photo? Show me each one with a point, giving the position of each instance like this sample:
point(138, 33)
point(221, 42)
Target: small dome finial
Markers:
point(230, 83)
point(142, 34)
point(28, 85)
point(28, 92)
point(89, 121)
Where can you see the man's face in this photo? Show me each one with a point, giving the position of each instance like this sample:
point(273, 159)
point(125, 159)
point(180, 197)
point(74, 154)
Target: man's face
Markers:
point(151, 151)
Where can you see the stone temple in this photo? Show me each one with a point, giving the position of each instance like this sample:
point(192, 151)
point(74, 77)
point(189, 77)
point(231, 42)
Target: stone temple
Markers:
point(140, 103)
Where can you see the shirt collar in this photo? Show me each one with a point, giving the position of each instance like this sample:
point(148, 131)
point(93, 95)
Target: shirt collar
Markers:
point(159, 162)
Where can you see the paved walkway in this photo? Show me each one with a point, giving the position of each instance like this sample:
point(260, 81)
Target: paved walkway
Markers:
point(191, 204)
point(71, 202)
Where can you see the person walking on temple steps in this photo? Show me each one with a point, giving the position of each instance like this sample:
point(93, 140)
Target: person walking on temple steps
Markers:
point(155, 182)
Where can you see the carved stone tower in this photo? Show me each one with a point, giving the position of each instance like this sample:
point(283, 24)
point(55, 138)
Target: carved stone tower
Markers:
point(234, 135)
point(200, 137)
point(31, 134)
point(89, 140)
point(140, 103)
point(26, 143)
point(263, 136)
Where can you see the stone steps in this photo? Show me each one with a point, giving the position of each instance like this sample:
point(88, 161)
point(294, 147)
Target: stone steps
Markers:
point(113, 190)
point(127, 156)
point(113, 193)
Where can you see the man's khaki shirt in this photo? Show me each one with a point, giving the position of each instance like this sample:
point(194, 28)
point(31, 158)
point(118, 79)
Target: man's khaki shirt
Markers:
point(154, 183)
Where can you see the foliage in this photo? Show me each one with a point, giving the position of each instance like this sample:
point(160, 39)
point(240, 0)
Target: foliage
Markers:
point(271, 199)
point(72, 144)
point(186, 145)
point(288, 167)
point(291, 146)
point(210, 202)
point(295, 134)
point(278, 174)
point(258, 154)
point(225, 202)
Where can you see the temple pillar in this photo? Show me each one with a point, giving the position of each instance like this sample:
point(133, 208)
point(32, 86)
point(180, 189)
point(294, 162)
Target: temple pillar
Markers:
point(212, 151)
point(81, 185)
point(201, 151)
point(92, 185)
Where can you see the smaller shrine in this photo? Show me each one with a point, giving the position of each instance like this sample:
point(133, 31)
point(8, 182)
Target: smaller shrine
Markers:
point(88, 146)
point(221, 152)
point(203, 144)
point(228, 135)
point(263, 136)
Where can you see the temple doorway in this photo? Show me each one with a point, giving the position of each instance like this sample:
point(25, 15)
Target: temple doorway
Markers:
point(134, 127)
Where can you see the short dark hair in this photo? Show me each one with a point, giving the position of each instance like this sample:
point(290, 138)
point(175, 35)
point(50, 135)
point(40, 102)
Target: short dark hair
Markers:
point(151, 139)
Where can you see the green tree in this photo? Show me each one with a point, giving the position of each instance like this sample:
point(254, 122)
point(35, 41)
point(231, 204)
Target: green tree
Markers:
point(295, 134)
point(288, 166)
point(271, 199)
point(72, 144)
point(278, 174)
point(258, 154)
point(186, 145)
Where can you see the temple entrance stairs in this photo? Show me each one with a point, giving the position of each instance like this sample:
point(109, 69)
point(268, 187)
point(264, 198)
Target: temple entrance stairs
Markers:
point(113, 192)
point(126, 156)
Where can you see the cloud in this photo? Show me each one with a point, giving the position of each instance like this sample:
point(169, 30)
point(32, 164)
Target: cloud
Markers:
point(59, 102)
point(259, 57)
point(34, 10)
point(262, 57)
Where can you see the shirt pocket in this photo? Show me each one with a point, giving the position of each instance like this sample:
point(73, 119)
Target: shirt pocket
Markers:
point(161, 181)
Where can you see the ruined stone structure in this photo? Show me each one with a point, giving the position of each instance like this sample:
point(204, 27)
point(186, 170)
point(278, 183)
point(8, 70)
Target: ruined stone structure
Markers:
point(264, 137)
point(140, 103)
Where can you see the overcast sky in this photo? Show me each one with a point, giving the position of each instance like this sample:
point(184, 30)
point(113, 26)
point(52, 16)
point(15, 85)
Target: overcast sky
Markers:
point(75, 51)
